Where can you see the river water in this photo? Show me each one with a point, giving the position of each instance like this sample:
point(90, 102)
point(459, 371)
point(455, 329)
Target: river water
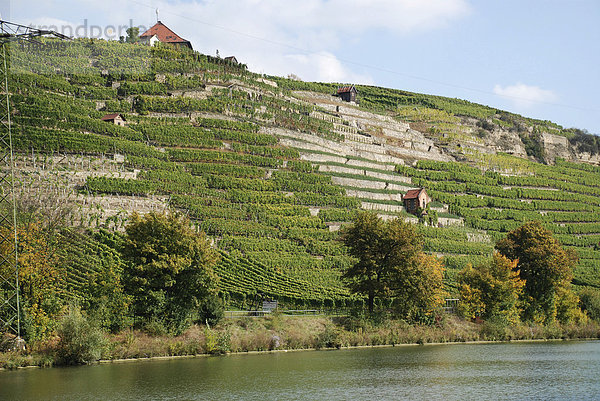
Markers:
point(519, 371)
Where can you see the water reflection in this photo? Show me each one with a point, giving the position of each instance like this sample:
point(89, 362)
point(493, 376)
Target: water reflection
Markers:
point(557, 370)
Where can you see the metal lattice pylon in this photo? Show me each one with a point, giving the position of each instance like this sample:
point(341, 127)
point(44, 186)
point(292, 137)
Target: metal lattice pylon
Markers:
point(9, 268)
point(10, 315)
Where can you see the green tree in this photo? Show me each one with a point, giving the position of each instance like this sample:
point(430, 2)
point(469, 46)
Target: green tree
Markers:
point(391, 264)
point(169, 270)
point(492, 289)
point(546, 267)
point(367, 276)
point(133, 34)
point(590, 299)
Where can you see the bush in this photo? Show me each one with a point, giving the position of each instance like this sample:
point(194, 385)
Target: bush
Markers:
point(216, 343)
point(590, 301)
point(211, 310)
point(80, 341)
point(155, 328)
point(495, 329)
point(329, 338)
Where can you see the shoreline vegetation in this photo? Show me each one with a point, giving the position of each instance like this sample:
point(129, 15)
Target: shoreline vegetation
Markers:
point(278, 332)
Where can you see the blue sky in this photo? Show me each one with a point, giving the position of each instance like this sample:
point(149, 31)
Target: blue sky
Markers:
point(537, 58)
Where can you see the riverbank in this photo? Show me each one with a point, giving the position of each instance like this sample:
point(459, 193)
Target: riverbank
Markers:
point(278, 333)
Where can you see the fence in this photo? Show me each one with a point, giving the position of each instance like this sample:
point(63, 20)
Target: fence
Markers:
point(231, 314)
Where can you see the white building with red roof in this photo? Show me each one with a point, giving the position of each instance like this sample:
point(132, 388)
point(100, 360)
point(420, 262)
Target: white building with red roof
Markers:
point(159, 32)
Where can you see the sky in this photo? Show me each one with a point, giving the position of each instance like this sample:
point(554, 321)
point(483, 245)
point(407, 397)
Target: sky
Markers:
point(537, 58)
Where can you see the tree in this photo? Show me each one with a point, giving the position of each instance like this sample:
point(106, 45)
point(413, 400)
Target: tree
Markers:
point(546, 267)
point(419, 288)
point(169, 270)
point(391, 264)
point(367, 275)
point(590, 299)
point(40, 280)
point(133, 34)
point(491, 290)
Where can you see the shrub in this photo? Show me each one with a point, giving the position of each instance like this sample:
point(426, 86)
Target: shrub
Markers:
point(329, 338)
point(590, 300)
point(80, 341)
point(216, 343)
point(495, 329)
point(211, 310)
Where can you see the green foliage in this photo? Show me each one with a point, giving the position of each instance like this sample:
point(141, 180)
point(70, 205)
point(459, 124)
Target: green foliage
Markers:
point(80, 341)
point(40, 279)
point(216, 343)
point(590, 301)
point(229, 174)
point(533, 146)
point(390, 264)
point(169, 270)
point(93, 272)
point(211, 310)
point(584, 141)
point(544, 265)
point(133, 34)
point(491, 290)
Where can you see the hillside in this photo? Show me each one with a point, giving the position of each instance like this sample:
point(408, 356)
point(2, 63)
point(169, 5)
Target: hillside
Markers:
point(271, 168)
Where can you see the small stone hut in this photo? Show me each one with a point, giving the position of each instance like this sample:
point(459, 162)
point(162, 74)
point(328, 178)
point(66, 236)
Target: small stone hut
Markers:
point(115, 118)
point(415, 199)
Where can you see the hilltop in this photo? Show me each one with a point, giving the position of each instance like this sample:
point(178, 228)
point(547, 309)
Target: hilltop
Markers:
point(270, 168)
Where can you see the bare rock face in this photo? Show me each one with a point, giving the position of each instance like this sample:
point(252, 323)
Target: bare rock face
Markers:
point(385, 139)
point(507, 142)
point(555, 146)
point(587, 157)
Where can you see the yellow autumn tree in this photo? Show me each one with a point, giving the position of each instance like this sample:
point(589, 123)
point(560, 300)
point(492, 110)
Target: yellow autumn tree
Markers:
point(547, 268)
point(419, 288)
point(39, 279)
point(491, 290)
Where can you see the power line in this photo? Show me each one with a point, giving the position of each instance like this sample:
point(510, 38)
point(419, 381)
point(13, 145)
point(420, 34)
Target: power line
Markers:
point(362, 65)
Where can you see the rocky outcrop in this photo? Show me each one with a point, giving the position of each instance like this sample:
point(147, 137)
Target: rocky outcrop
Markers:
point(555, 146)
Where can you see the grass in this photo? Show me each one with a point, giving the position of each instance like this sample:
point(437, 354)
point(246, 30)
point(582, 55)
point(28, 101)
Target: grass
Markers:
point(279, 332)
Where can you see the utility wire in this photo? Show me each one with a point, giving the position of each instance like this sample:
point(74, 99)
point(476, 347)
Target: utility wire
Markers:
point(359, 64)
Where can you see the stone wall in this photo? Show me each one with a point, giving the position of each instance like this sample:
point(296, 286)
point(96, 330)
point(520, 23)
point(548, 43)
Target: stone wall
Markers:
point(382, 206)
point(52, 180)
point(356, 183)
point(373, 195)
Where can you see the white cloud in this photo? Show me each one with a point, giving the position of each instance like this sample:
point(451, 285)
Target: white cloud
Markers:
point(271, 36)
point(323, 67)
point(525, 96)
point(400, 16)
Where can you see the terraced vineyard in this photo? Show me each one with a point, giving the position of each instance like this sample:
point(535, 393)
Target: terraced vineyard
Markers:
point(564, 197)
point(271, 168)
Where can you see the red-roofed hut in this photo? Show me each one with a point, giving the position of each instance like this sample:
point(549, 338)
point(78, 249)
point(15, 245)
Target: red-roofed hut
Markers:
point(415, 199)
point(347, 93)
point(115, 118)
